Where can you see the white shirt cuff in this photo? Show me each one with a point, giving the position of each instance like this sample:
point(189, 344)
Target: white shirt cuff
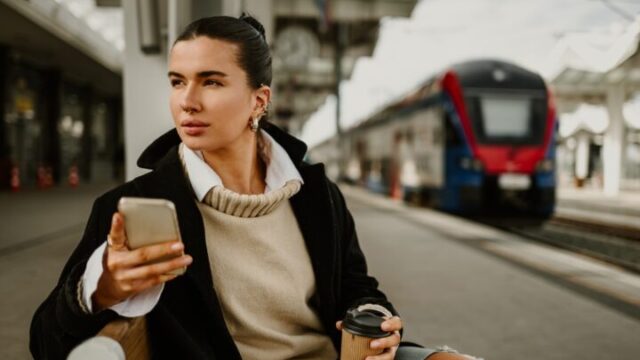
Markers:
point(137, 305)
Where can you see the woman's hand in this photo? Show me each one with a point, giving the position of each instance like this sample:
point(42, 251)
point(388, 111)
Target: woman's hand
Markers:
point(390, 343)
point(124, 273)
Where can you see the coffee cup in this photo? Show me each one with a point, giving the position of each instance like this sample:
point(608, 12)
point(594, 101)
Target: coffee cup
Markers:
point(359, 328)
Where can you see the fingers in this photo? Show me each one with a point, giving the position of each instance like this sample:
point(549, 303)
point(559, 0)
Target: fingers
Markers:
point(117, 238)
point(143, 255)
point(387, 342)
point(145, 284)
point(153, 270)
point(388, 354)
point(392, 324)
point(119, 283)
point(130, 288)
point(339, 325)
point(128, 272)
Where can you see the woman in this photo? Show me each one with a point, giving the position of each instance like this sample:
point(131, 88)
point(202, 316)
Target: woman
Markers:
point(272, 254)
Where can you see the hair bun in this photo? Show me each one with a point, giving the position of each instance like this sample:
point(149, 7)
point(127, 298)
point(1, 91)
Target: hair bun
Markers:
point(254, 23)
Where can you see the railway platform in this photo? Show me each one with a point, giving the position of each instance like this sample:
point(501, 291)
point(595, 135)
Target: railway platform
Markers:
point(494, 293)
point(621, 210)
point(474, 287)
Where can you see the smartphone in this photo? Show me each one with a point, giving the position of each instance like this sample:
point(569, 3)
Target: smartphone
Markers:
point(148, 222)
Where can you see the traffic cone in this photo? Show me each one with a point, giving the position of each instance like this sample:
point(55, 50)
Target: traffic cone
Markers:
point(15, 179)
point(74, 179)
point(42, 177)
point(48, 177)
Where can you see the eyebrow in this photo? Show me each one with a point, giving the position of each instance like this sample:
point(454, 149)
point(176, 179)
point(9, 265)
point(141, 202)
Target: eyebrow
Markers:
point(201, 74)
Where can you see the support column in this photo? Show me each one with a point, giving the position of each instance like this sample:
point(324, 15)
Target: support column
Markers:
point(340, 45)
point(203, 8)
point(146, 93)
point(5, 162)
point(582, 158)
point(115, 137)
point(86, 160)
point(263, 11)
point(614, 141)
point(52, 93)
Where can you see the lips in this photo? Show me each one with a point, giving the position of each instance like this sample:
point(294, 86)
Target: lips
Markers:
point(193, 127)
point(193, 123)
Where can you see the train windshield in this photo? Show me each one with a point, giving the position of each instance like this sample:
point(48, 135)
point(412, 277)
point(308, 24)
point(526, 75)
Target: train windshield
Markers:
point(503, 119)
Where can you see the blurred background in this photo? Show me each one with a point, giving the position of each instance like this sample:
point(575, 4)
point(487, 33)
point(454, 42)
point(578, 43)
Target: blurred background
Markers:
point(493, 146)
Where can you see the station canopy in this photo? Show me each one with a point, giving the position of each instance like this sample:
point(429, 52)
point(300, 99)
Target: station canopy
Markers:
point(553, 37)
point(107, 21)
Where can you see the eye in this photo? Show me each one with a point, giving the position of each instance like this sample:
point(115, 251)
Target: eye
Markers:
point(176, 82)
point(211, 82)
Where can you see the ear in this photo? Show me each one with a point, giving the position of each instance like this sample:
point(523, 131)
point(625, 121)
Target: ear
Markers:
point(262, 97)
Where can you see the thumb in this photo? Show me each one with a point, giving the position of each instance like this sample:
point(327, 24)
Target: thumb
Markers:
point(339, 325)
point(117, 238)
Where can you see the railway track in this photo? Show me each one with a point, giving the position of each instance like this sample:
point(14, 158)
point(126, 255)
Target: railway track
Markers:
point(613, 244)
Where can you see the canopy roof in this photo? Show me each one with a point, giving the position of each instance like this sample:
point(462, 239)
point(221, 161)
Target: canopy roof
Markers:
point(571, 41)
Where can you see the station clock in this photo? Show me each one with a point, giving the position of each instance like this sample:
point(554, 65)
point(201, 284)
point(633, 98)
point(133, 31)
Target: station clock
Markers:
point(295, 46)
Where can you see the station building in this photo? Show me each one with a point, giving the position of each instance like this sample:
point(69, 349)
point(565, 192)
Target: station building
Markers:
point(60, 96)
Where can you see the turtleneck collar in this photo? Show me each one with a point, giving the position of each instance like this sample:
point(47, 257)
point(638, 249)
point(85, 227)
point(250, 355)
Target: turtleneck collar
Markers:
point(203, 178)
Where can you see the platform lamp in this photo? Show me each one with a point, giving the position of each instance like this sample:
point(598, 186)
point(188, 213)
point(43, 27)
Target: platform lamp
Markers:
point(148, 26)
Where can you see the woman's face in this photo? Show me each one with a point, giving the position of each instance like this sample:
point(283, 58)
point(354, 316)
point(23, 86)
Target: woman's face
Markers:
point(211, 103)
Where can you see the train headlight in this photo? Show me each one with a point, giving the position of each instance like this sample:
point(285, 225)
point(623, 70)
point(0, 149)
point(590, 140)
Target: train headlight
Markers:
point(545, 165)
point(471, 164)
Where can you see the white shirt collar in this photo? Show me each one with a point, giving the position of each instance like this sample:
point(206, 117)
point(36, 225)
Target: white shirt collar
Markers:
point(202, 177)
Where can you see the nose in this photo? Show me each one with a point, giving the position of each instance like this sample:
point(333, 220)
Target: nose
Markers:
point(190, 102)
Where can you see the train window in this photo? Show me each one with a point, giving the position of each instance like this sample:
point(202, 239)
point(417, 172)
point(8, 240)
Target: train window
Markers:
point(504, 116)
point(502, 119)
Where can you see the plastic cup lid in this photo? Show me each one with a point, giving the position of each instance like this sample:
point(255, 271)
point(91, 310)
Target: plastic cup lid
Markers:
point(364, 323)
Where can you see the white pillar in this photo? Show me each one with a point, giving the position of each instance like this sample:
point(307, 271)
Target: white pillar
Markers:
point(178, 17)
point(582, 155)
point(614, 139)
point(263, 11)
point(146, 93)
point(229, 7)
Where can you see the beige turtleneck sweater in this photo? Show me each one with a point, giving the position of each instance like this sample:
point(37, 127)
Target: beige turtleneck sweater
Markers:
point(263, 275)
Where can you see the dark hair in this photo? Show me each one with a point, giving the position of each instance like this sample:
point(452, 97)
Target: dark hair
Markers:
point(254, 56)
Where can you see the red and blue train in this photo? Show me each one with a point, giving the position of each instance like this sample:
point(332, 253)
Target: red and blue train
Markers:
point(476, 137)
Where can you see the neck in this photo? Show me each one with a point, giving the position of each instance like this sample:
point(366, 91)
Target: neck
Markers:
point(239, 166)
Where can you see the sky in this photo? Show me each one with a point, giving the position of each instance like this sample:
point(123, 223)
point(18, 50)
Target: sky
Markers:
point(442, 32)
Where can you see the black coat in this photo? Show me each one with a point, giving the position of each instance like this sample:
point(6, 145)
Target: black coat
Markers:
point(187, 322)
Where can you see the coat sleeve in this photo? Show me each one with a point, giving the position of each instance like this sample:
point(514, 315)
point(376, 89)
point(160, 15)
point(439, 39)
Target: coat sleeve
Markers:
point(59, 324)
point(357, 287)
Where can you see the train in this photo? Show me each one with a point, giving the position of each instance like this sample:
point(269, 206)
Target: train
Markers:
point(476, 137)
